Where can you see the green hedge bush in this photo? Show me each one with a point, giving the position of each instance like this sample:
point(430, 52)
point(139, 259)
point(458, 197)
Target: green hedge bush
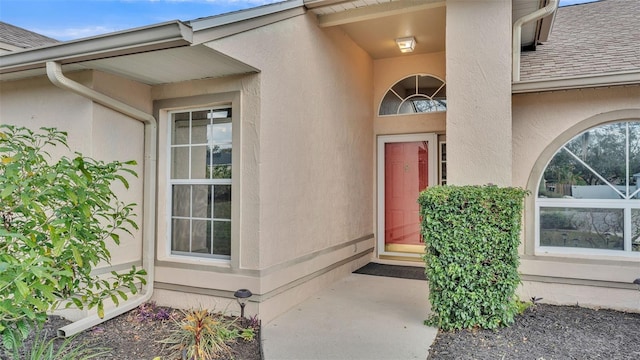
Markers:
point(472, 235)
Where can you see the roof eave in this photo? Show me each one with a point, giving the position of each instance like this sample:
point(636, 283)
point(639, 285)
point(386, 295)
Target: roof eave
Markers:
point(244, 15)
point(577, 82)
point(155, 37)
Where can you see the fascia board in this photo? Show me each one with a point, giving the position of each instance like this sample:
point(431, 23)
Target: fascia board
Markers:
point(149, 38)
point(375, 11)
point(312, 4)
point(205, 35)
point(577, 82)
point(244, 15)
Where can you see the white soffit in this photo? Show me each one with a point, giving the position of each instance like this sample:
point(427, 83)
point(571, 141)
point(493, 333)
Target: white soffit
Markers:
point(375, 24)
point(157, 67)
point(171, 65)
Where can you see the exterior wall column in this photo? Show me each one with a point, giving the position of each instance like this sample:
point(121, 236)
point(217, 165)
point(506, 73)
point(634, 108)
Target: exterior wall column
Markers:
point(479, 138)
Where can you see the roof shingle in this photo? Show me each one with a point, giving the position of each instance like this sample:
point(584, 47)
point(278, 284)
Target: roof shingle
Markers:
point(588, 39)
point(22, 38)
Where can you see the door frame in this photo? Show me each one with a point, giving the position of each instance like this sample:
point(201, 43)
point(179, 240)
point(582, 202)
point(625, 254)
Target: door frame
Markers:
point(432, 147)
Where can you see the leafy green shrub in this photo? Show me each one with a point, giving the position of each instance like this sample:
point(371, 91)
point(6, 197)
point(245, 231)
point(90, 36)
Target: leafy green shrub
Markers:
point(55, 221)
point(472, 235)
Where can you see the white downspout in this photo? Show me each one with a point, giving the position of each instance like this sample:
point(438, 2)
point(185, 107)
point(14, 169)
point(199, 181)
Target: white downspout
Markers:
point(517, 33)
point(54, 72)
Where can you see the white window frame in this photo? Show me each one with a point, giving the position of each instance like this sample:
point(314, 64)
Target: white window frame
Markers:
point(626, 205)
point(417, 94)
point(170, 182)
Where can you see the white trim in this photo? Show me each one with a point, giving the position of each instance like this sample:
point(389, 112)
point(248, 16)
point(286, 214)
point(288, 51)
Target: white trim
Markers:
point(432, 140)
point(577, 82)
point(209, 258)
point(402, 100)
point(243, 15)
point(149, 38)
point(625, 205)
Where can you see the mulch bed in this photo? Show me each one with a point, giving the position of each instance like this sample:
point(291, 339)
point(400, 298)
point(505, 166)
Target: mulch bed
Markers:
point(548, 332)
point(130, 337)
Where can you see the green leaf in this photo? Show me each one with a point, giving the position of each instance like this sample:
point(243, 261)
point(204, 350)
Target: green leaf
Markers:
point(23, 289)
point(123, 181)
point(7, 191)
point(76, 256)
point(100, 309)
point(77, 303)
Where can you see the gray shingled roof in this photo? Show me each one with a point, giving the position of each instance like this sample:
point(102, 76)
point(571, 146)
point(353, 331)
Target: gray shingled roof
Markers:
point(588, 39)
point(22, 38)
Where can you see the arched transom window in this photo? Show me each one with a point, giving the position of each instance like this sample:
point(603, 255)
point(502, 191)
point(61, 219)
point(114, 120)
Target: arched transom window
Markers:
point(415, 94)
point(589, 196)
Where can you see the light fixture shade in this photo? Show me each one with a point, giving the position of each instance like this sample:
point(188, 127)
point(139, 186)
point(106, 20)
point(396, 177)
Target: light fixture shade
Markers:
point(406, 44)
point(242, 295)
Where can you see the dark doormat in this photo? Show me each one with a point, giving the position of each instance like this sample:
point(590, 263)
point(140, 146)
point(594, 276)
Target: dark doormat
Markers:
point(397, 271)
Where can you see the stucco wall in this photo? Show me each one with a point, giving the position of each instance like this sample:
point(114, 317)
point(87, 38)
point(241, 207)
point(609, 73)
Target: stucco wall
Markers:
point(94, 131)
point(315, 137)
point(479, 92)
point(542, 122)
point(243, 92)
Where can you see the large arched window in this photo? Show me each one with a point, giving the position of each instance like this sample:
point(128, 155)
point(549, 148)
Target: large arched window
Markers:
point(415, 94)
point(589, 195)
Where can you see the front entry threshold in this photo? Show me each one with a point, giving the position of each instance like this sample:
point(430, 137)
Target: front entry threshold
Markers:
point(404, 248)
point(402, 258)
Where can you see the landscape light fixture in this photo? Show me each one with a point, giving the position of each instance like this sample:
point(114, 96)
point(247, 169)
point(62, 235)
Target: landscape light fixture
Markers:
point(242, 296)
point(406, 44)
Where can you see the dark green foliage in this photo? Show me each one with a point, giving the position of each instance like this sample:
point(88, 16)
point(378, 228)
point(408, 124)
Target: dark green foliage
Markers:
point(472, 235)
point(56, 220)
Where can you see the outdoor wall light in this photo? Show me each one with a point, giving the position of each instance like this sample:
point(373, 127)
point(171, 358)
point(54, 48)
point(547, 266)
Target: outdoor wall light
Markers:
point(406, 44)
point(242, 296)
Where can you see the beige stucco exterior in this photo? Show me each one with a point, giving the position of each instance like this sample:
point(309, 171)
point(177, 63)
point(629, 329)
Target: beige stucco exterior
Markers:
point(305, 199)
point(305, 125)
point(542, 123)
point(479, 92)
point(94, 131)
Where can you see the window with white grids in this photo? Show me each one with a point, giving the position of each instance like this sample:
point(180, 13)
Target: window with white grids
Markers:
point(200, 182)
point(415, 94)
point(589, 196)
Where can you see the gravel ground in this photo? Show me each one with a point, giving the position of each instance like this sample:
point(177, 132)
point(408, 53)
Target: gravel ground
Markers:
point(548, 332)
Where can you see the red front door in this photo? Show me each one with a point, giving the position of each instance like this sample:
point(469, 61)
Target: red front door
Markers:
point(406, 173)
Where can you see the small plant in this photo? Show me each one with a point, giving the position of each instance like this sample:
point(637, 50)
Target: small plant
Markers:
point(43, 349)
point(149, 311)
point(522, 306)
point(248, 334)
point(253, 322)
point(202, 335)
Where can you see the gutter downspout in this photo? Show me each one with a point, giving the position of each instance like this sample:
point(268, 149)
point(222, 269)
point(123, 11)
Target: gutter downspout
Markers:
point(54, 72)
point(517, 34)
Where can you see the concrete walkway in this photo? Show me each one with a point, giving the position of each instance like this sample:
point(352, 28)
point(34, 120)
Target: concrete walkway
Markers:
point(358, 317)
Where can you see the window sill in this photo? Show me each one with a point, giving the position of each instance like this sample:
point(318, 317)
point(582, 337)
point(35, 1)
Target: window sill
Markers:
point(195, 260)
point(586, 254)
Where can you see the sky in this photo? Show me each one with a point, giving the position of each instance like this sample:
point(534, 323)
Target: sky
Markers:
point(73, 19)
